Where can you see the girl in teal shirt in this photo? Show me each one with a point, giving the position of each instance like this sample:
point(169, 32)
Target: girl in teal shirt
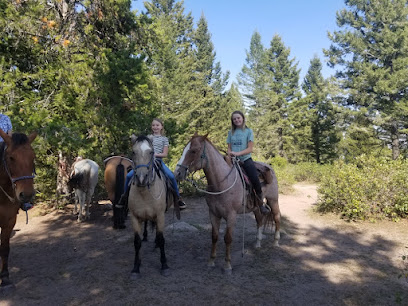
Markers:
point(240, 142)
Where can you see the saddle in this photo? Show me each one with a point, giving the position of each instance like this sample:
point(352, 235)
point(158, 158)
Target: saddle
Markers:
point(264, 174)
point(171, 195)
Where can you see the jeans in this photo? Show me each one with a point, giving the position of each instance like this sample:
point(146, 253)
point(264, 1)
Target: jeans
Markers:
point(167, 172)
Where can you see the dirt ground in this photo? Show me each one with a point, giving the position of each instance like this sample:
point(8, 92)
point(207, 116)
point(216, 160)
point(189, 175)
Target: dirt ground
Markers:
point(322, 260)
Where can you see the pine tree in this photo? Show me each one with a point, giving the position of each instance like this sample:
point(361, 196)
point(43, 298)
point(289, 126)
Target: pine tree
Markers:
point(280, 88)
point(372, 50)
point(322, 116)
point(251, 78)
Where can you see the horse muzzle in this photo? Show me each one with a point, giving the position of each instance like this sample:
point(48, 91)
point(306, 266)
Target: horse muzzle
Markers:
point(142, 180)
point(180, 172)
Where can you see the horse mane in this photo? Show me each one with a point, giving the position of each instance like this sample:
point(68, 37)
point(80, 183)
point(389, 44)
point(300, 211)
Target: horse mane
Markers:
point(19, 138)
point(143, 138)
point(209, 141)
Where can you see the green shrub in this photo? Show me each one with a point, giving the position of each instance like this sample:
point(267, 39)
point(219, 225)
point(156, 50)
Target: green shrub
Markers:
point(369, 188)
point(308, 172)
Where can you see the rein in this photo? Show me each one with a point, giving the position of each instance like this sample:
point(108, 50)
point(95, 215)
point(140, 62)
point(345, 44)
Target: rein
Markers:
point(151, 177)
point(202, 157)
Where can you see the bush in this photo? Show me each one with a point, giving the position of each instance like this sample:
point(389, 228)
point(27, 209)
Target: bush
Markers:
point(369, 188)
point(308, 172)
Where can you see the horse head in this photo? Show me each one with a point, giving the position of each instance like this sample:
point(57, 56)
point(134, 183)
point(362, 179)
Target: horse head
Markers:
point(193, 158)
point(143, 156)
point(18, 162)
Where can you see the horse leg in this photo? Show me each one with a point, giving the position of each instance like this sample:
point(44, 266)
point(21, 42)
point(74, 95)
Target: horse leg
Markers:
point(81, 200)
point(277, 218)
point(259, 226)
point(228, 243)
point(160, 242)
point(4, 254)
point(215, 222)
point(137, 242)
point(89, 194)
point(76, 201)
point(145, 231)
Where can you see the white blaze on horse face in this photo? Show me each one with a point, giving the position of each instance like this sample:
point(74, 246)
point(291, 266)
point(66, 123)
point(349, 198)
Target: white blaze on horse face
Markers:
point(180, 162)
point(145, 147)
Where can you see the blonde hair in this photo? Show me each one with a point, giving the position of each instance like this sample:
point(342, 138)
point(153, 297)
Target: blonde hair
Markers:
point(162, 132)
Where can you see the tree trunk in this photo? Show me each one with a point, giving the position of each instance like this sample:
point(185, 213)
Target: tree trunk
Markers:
point(395, 141)
point(63, 191)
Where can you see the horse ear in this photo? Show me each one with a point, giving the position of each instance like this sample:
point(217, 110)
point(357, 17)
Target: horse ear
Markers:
point(205, 136)
point(5, 136)
point(32, 136)
point(195, 134)
point(133, 138)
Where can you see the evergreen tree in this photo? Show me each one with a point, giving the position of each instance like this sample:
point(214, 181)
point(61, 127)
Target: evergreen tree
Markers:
point(251, 78)
point(208, 85)
point(372, 50)
point(280, 88)
point(324, 134)
point(74, 82)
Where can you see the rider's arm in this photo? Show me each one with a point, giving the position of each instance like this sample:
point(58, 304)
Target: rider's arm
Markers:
point(164, 154)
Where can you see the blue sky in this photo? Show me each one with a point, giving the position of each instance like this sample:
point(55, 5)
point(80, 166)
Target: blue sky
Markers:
point(302, 25)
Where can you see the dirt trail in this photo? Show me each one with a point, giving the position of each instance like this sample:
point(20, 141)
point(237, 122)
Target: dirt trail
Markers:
point(322, 260)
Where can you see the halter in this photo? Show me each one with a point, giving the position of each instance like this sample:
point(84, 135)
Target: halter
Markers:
point(13, 180)
point(202, 157)
point(150, 173)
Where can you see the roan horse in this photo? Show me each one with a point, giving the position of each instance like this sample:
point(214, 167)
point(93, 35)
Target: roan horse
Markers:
point(147, 199)
point(116, 168)
point(16, 189)
point(226, 193)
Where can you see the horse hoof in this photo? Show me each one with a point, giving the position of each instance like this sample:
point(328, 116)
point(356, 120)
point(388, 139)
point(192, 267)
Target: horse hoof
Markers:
point(6, 289)
point(165, 272)
point(227, 271)
point(134, 276)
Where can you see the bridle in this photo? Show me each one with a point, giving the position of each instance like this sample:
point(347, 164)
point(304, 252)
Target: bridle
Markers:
point(202, 157)
point(150, 168)
point(13, 180)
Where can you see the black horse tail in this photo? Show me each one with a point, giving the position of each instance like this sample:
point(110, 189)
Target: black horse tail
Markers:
point(120, 182)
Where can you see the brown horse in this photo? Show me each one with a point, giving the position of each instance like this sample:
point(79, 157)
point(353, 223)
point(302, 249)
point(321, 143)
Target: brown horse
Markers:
point(147, 199)
point(116, 169)
point(16, 189)
point(226, 193)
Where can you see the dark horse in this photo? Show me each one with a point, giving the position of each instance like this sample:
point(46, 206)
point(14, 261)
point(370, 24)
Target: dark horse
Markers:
point(16, 189)
point(226, 194)
point(116, 168)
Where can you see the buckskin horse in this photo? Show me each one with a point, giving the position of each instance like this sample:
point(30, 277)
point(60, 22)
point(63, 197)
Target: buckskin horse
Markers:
point(147, 200)
point(16, 189)
point(226, 193)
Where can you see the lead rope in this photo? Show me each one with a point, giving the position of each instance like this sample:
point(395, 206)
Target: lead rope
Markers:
point(235, 161)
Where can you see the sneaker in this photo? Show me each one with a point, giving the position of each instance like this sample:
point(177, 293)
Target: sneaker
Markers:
point(182, 205)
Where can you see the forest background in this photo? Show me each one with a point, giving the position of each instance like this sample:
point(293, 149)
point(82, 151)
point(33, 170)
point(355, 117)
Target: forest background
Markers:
point(88, 74)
